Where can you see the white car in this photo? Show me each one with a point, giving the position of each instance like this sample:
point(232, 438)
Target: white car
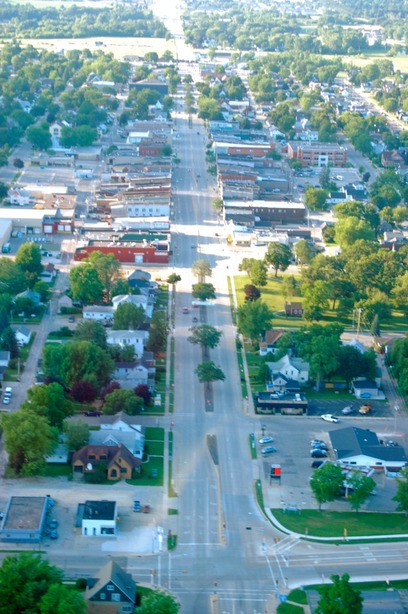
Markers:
point(329, 418)
point(266, 440)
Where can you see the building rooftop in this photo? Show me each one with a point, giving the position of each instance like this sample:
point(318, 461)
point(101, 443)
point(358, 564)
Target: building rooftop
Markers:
point(103, 510)
point(24, 513)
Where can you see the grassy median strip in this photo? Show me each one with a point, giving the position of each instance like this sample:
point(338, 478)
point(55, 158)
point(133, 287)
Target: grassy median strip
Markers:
point(347, 524)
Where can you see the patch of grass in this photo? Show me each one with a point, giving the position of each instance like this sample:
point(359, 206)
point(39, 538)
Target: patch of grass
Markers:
point(154, 448)
point(172, 511)
point(252, 446)
point(154, 433)
point(152, 474)
point(56, 471)
point(333, 524)
point(298, 596)
point(259, 494)
point(171, 542)
point(289, 608)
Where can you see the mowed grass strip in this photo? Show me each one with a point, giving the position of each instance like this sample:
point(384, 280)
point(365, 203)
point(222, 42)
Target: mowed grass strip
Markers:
point(333, 524)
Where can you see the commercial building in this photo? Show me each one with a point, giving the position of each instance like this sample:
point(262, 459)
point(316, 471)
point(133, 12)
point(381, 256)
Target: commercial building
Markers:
point(317, 154)
point(24, 519)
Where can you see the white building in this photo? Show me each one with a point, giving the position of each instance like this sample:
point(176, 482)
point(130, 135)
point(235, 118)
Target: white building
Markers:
point(99, 518)
point(295, 369)
point(97, 312)
point(133, 338)
point(138, 300)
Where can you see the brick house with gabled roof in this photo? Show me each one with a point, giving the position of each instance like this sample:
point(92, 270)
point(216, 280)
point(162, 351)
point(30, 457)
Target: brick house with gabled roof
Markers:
point(119, 460)
point(269, 343)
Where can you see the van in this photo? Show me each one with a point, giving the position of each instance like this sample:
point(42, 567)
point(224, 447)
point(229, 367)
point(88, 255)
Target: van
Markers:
point(6, 249)
point(8, 390)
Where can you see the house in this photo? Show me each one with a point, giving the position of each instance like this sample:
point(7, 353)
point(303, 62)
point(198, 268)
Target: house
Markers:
point(113, 591)
point(123, 422)
point(119, 460)
point(294, 309)
point(99, 518)
point(23, 335)
point(355, 447)
point(64, 303)
point(365, 389)
point(291, 368)
point(269, 344)
point(134, 338)
point(133, 440)
point(34, 297)
point(24, 519)
point(138, 300)
point(20, 197)
point(130, 374)
point(48, 273)
point(99, 313)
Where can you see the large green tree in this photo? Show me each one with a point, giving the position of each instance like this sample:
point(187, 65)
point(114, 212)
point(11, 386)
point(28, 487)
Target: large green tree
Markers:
point(159, 330)
point(158, 602)
point(122, 400)
point(278, 256)
point(201, 269)
point(362, 486)
point(203, 291)
point(205, 335)
point(253, 318)
point(207, 372)
point(128, 317)
point(108, 269)
point(339, 597)
point(325, 483)
point(28, 258)
point(402, 491)
point(348, 230)
point(24, 579)
point(86, 287)
point(49, 401)
point(28, 438)
point(62, 599)
point(12, 278)
point(77, 434)
point(89, 330)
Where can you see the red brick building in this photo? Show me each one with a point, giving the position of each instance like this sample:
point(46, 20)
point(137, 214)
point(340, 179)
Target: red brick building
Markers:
point(317, 154)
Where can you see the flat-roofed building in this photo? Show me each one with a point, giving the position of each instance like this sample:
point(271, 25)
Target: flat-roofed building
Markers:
point(24, 519)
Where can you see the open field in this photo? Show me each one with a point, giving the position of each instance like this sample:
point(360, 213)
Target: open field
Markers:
point(120, 47)
point(400, 62)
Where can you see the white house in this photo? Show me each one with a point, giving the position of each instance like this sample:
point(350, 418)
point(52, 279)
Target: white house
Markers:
point(123, 422)
point(130, 374)
point(99, 518)
point(361, 448)
point(133, 440)
point(23, 335)
point(134, 338)
point(292, 368)
point(21, 197)
point(139, 300)
point(97, 312)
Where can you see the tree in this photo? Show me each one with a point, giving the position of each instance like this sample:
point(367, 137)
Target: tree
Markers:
point(121, 286)
point(278, 256)
point(203, 291)
point(173, 279)
point(4, 319)
point(77, 360)
point(339, 597)
point(39, 136)
point(158, 603)
point(28, 258)
point(289, 286)
point(207, 372)
point(258, 273)
point(253, 318)
point(84, 392)
point(108, 269)
point(402, 491)
point(205, 335)
point(89, 330)
point(361, 488)
point(201, 269)
point(86, 287)
point(24, 580)
point(143, 391)
point(114, 385)
point(28, 438)
point(49, 401)
point(122, 400)
point(159, 329)
point(348, 230)
point(315, 199)
point(303, 252)
point(43, 289)
point(61, 599)
point(218, 204)
point(325, 483)
point(12, 278)
point(128, 317)
point(77, 434)
point(8, 342)
point(252, 293)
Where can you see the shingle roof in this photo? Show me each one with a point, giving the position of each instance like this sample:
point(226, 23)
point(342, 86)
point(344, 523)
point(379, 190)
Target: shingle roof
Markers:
point(353, 441)
point(112, 573)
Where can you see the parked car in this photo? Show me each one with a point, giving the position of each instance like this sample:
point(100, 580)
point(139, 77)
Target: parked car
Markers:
point(71, 319)
point(318, 453)
point(329, 418)
point(319, 446)
point(314, 441)
point(54, 534)
point(365, 409)
point(6, 400)
point(317, 463)
point(266, 440)
point(195, 319)
point(347, 410)
point(186, 310)
point(92, 412)
point(268, 450)
point(53, 523)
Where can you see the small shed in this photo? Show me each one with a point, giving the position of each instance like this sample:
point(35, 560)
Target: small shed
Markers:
point(294, 309)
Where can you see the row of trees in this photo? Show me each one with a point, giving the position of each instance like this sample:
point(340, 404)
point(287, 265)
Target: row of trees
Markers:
point(326, 484)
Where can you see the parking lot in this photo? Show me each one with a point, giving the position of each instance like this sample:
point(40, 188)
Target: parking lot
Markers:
point(291, 438)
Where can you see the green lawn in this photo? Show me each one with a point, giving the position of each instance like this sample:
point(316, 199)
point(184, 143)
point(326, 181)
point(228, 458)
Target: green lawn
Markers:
point(57, 470)
point(332, 524)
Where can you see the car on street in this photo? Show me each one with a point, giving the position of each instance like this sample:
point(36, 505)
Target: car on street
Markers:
point(315, 453)
point(268, 450)
point(329, 418)
point(365, 409)
point(71, 319)
point(317, 463)
point(6, 400)
point(92, 412)
point(264, 440)
point(186, 310)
